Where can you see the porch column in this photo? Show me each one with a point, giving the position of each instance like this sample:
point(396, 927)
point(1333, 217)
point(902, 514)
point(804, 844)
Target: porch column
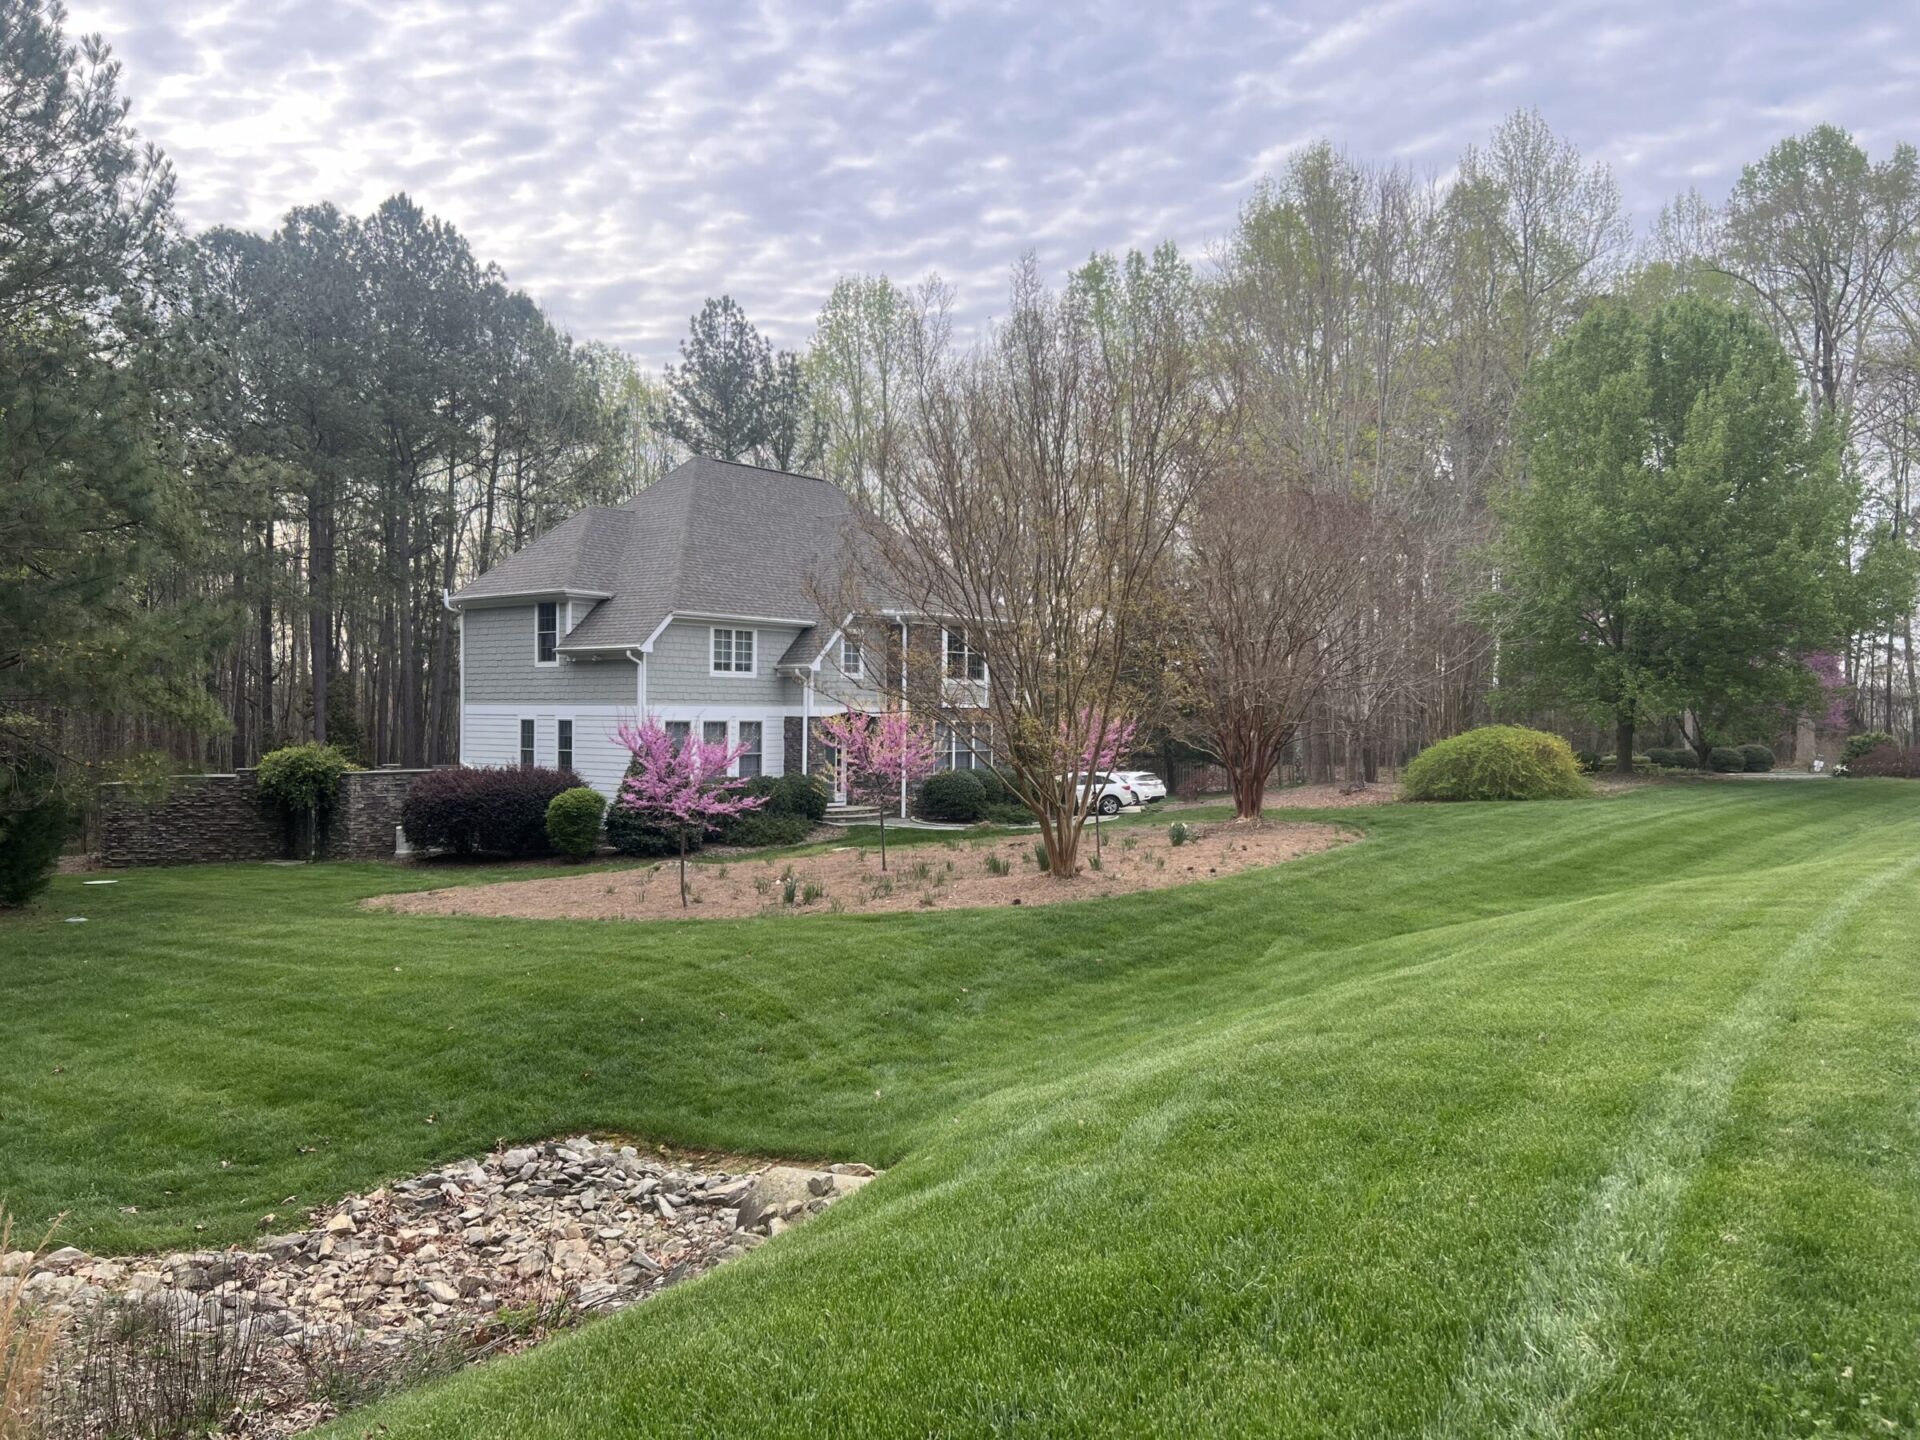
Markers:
point(806, 723)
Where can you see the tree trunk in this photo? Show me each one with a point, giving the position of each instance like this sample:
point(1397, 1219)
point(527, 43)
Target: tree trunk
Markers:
point(683, 867)
point(883, 839)
point(1623, 741)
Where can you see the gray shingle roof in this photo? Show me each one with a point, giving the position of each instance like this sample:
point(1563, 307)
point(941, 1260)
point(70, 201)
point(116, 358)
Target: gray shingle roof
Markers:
point(710, 538)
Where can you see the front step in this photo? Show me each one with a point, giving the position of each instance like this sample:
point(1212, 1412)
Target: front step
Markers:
point(853, 815)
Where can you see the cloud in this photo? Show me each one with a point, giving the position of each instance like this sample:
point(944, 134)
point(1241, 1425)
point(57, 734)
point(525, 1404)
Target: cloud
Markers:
point(624, 159)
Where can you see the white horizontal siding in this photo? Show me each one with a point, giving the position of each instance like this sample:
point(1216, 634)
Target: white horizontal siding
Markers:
point(490, 735)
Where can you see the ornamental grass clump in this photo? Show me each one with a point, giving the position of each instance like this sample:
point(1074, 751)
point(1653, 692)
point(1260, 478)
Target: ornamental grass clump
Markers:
point(1496, 762)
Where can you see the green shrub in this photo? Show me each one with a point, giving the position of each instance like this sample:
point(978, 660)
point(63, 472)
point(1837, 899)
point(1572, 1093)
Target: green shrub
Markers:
point(1588, 760)
point(953, 795)
point(998, 792)
point(302, 778)
point(1726, 760)
point(1859, 745)
point(1011, 813)
point(1178, 833)
point(484, 810)
point(33, 827)
point(1496, 762)
point(631, 835)
point(766, 827)
point(573, 822)
point(803, 795)
point(1671, 759)
point(1758, 759)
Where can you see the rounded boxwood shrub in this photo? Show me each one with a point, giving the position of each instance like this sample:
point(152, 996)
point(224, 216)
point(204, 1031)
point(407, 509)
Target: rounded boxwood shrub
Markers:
point(1726, 760)
point(1678, 759)
point(483, 810)
point(802, 795)
point(1588, 760)
point(573, 821)
point(1758, 759)
point(956, 796)
point(1496, 762)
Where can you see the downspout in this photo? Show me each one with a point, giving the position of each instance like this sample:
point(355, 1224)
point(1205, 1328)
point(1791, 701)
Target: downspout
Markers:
point(639, 684)
point(460, 721)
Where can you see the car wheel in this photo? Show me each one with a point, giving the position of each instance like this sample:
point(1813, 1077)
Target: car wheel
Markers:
point(1109, 804)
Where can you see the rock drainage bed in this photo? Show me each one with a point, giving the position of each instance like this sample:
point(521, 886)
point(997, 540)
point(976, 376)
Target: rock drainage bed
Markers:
point(474, 1258)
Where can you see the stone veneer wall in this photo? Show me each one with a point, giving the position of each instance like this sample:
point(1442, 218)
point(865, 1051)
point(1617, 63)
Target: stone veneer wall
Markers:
point(222, 817)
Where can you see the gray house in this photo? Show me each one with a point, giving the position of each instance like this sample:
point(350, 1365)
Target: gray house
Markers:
point(695, 601)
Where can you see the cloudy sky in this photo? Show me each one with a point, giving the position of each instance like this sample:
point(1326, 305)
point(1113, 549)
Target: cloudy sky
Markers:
point(624, 159)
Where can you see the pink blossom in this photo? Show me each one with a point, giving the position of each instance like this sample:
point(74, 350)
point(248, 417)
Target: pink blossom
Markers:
point(877, 754)
point(684, 788)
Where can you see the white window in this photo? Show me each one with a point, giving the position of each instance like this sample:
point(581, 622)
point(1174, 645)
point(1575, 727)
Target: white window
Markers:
point(564, 730)
point(732, 652)
point(546, 633)
point(677, 733)
point(714, 732)
point(750, 738)
point(850, 660)
point(964, 662)
point(963, 747)
point(526, 744)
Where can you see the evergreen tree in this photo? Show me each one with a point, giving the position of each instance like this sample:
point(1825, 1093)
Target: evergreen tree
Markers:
point(732, 398)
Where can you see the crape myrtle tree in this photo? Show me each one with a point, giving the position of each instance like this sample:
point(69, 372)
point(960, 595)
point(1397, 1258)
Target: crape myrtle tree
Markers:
point(1272, 584)
point(1678, 542)
point(685, 788)
point(1029, 524)
point(879, 757)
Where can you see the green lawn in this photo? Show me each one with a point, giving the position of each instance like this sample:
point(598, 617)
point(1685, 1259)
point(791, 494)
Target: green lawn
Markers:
point(1590, 1118)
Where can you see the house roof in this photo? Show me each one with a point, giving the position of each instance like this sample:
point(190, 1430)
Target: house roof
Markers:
point(710, 538)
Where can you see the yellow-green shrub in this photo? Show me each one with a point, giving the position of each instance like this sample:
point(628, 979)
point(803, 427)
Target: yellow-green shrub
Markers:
point(1496, 762)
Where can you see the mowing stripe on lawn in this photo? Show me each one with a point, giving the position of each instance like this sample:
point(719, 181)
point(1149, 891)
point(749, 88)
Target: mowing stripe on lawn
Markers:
point(1526, 1375)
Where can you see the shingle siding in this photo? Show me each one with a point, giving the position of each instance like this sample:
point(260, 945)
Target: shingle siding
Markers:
point(499, 655)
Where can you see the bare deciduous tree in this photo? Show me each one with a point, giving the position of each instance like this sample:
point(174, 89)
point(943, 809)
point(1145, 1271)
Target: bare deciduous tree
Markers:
point(1050, 470)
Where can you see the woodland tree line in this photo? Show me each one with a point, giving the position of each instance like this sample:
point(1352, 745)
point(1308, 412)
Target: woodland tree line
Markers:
point(241, 470)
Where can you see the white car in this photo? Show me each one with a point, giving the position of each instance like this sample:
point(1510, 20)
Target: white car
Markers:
point(1147, 785)
point(1112, 794)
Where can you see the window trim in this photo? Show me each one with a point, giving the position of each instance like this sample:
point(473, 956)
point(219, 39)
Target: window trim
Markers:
point(970, 654)
point(529, 743)
point(538, 607)
point(677, 742)
point(734, 672)
point(563, 748)
point(858, 669)
point(759, 751)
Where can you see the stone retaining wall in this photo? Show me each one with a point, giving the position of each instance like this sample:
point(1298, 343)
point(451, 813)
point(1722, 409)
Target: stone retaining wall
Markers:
point(222, 817)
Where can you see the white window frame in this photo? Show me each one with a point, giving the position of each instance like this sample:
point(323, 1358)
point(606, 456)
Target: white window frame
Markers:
point(685, 726)
point(759, 752)
point(969, 654)
point(726, 732)
point(733, 671)
point(540, 605)
point(563, 750)
point(856, 668)
point(528, 754)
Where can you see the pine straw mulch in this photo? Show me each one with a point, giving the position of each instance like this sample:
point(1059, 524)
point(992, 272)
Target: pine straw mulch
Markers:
point(947, 875)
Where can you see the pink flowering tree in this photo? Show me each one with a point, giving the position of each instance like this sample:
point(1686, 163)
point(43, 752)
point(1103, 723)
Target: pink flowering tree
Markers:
point(878, 754)
point(684, 789)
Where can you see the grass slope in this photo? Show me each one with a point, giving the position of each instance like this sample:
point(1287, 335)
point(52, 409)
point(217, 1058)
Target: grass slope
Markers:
point(1587, 1118)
